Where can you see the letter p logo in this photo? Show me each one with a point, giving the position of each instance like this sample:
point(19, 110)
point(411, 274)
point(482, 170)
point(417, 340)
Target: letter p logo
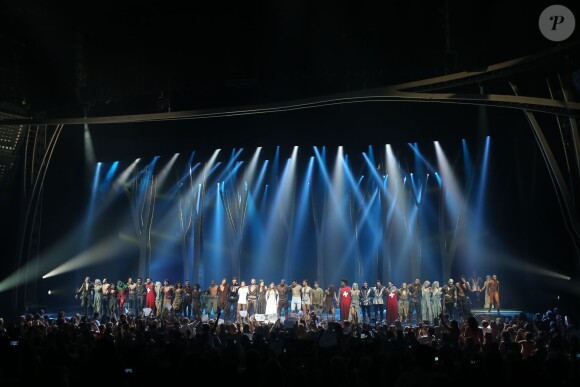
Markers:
point(557, 23)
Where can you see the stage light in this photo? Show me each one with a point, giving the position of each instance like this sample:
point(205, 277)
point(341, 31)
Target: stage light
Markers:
point(49, 292)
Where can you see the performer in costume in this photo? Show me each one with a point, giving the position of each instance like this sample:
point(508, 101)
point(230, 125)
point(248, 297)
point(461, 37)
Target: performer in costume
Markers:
point(463, 301)
point(121, 296)
point(354, 304)
point(205, 308)
point(196, 305)
point(345, 299)
point(283, 290)
point(378, 293)
point(252, 297)
point(98, 297)
point(178, 299)
point(150, 295)
point(167, 297)
point(141, 294)
point(475, 283)
point(306, 298)
point(365, 302)
point(262, 300)
point(113, 301)
point(317, 299)
point(330, 298)
point(404, 303)
point(85, 292)
point(426, 312)
point(415, 303)
point(159, 298)
point(232, 301)
point(449, 292)
point(492, 287)
point(132, 298)
point(392, 303)
point(222, 295)
point(105, 297)
point(296, 301)
point(486, 302)
point(272, 300)
point(187, 289)
point(212, 305)
point(243, 292)
point(436, 306)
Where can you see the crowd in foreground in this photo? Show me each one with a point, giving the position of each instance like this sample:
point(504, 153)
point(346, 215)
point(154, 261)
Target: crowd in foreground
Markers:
point(82, 350)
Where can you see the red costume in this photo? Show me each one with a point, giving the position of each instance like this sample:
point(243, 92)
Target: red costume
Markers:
point(150, 298)
point(392, 305)
point(344, 303)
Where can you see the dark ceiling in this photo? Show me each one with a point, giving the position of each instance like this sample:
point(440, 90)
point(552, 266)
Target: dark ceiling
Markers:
point(62, 59)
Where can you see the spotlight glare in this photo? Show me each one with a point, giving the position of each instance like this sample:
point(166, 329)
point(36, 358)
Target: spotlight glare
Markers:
point(49, 292)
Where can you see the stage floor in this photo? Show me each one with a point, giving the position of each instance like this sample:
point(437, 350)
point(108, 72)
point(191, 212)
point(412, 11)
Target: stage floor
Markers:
point(480, 314)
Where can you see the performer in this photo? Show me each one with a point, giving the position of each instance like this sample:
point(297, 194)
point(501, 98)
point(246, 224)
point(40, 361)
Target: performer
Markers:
point(403, 303)
point(205, 309)
point(378, 293)
point(167, 297)
point(306, 298)
point(392, 303)
point(262, 289)
point(283, 290)
point(121, 296)
point(353, 316)
point(113, 301)
point(85, 292)
point(492, 287)
point(436, 306)
point(463, 301)
point(212, 305)
point(345, 300)
point(272, 301)
point(159, 298)
point(317, 299)
point(426, 312)
point(475, 283)
point(132, 290)
point(365, 302)
point(196, 305)
point(486, 301)
point(98, 297)
point(415, 304)
point(252, 297)
point(330, 298)
point(296, 302)
point(150, 295)
point(449, 292)
point(187, 289)
point(243, 291)
point(105, 297)
point(232, 300)
point(222, 295)
point(178, 299)
point(141, 294)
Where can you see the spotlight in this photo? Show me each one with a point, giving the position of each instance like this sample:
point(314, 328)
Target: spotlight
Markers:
point(49, 292)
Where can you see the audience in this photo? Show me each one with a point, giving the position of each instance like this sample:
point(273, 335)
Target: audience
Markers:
point(79, 350)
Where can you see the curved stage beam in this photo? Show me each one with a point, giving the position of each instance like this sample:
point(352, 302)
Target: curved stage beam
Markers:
point(540, 105)
point(406, 92)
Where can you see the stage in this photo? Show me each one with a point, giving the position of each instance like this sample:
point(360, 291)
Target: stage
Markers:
point(479, 314)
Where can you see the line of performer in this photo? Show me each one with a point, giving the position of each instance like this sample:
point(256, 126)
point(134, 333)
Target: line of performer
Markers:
point(422, 302)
